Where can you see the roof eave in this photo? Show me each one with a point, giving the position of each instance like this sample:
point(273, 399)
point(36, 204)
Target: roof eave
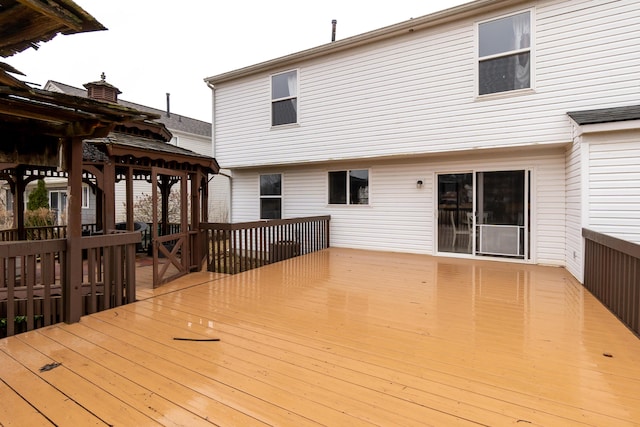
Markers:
point(395, 30)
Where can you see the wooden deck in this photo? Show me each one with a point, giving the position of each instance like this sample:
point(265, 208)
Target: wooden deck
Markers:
point(338, 337)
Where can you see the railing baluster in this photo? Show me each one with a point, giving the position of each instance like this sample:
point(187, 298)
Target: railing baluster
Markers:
point(232, 248)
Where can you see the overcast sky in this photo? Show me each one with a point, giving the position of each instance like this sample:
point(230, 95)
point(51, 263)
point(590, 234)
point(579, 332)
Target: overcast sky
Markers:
point(153, 47)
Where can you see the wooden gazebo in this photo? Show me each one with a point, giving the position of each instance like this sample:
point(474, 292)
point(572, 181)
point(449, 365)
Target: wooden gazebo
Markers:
point(138, 151)
point(42, 134)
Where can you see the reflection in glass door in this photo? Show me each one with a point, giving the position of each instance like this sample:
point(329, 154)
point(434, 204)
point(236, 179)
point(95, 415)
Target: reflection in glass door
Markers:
point(502, 214)
point(455, 213)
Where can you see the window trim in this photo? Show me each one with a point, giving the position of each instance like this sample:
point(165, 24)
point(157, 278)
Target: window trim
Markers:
point(85, 197)
point(271, 196)
point(296, 97)
point(530, 49)
point(348, 198)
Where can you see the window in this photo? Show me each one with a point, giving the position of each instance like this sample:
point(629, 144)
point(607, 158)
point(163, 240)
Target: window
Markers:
point(8, 200)
point(504, 54)
point(271, 196)
point(58, 203)
point(284, 98)
point(85, 197)
point(349, 187)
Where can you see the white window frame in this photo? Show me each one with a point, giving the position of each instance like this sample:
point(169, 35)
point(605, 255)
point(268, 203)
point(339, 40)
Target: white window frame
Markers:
point(348, 192)
point(530, 50)
point(271, 196)
point(85, 197)
point(274, 100)
point(61, 200)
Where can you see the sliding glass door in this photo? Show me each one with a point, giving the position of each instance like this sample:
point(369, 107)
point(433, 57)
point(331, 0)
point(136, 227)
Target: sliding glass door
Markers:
point(455, 211)
point(484, 213)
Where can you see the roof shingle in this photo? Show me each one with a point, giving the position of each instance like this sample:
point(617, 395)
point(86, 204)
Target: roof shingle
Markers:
point(606, 115)
point(173, 122)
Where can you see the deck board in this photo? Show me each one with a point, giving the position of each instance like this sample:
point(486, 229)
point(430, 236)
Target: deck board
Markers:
point(338, 337)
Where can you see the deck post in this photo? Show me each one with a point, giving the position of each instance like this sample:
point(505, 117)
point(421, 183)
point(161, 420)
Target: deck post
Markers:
point(18, 203)
point(109, 197)
point(72, 292)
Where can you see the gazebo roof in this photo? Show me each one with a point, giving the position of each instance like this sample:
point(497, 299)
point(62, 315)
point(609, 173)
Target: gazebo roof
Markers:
point(156, 151)
point(26, 23)
point(32, 121)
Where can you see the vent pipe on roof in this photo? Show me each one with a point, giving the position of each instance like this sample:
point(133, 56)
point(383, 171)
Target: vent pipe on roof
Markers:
point(168, 105)
point(333, 30)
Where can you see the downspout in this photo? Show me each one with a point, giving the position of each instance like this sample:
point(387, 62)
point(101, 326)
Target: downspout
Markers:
point(213, 118)
point(213, 141)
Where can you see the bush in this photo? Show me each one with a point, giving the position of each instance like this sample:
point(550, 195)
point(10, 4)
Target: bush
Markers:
point(38, 218)
point(143, 207)
point(38, 198)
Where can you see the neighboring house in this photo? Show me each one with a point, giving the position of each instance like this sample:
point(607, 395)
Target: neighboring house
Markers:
point(188, 133)
point(57, 196)
point(522, 114)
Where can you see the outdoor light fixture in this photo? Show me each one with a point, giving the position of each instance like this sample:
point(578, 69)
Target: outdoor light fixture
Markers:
point(419, 183)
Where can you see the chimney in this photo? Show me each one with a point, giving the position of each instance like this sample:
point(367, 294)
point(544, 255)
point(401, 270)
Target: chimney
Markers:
point(333, 30)
point(102, 91)
point(168, 107)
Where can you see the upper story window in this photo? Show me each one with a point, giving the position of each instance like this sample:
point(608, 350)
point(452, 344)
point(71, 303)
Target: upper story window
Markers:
point(284, 98)
point(350, 187)
point(271, 196)
point(504, 54)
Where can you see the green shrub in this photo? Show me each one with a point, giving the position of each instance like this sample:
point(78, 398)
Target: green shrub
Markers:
point(38, 198)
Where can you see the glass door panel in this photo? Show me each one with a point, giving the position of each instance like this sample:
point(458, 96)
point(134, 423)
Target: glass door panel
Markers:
point(455, 213)
point(502, 213)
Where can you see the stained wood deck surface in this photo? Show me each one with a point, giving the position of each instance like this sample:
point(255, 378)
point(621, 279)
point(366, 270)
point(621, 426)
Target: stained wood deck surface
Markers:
point(338, 338)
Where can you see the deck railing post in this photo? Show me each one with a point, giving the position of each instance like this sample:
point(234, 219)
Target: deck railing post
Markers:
point(72, 292)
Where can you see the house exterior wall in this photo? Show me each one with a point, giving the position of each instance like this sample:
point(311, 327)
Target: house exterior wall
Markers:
point(407, 108)
point(400, 216)
point(614, 184)
point(416, 93)
point(574, 207)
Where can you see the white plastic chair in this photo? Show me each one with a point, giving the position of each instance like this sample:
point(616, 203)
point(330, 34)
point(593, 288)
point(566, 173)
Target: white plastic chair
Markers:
point(461, 230)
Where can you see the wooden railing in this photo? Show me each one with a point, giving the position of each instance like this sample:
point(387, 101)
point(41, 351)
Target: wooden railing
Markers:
point(30, 285)
point(233, 248)
point(32, 276)
point(60, 232)
point(9, 235)
point(43, 232)
point(612, 274)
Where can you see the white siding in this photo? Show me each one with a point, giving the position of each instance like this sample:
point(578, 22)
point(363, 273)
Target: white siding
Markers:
point(139, 188)
point(415, 94)
point(400, 216)
point(614, 184)
point(220, 197)
point(197, 143)
point(573, 216)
